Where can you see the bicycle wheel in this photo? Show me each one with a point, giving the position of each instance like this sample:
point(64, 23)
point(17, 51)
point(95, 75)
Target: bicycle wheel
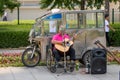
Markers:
point(29, 60)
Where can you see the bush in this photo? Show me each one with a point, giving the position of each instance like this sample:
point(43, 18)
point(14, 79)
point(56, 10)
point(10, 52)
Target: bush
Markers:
point(10, 59)
point(116, 25)
point(13, 59)
point(13, 35)
point(115, 36)
point(13, 39)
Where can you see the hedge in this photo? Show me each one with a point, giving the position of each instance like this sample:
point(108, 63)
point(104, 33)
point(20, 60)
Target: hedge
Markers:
point(115, 38)
point(116, 25)
point(14, 36)
point(16, 39)
point(13, 39)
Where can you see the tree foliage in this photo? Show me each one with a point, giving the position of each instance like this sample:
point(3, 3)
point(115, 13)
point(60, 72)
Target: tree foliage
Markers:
point(8, 4)
point(71, 4)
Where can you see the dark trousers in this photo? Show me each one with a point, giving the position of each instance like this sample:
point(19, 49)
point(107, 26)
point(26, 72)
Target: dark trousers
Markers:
point(4, 18)
point(107, 39)
point(59, 54)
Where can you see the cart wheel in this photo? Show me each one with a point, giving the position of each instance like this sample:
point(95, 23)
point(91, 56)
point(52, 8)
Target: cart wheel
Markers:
point(86, 56)
point(49, 58)
point(65, 70)
point(53, 69)
point(50, 61)
point(71, 66)
point(29, 60)
point(71, 69)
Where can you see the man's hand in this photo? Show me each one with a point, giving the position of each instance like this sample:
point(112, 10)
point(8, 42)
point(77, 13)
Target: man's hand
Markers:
point(111, 28)
point(114, 30)
point(74, 36)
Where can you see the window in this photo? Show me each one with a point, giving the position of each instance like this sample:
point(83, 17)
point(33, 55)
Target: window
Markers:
point(71, 21)
point(94, 20)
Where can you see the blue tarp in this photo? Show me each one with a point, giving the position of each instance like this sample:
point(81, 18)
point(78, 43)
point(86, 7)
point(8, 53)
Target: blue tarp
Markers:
point(54, 16)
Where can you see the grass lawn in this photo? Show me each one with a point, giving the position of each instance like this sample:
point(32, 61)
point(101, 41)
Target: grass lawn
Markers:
point(25, 25)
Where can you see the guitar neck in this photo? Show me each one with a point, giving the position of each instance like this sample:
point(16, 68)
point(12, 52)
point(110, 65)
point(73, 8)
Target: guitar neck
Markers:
point(75, 34)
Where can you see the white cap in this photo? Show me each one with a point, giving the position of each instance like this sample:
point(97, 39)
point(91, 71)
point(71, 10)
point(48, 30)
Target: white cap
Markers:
point(55, 10)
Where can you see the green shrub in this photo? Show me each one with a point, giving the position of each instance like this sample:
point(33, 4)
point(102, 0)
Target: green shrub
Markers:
point(13, 39)
point(13, 35)
point(115, 38)
point(13, 59)
point(10, 59)
point(116, 25)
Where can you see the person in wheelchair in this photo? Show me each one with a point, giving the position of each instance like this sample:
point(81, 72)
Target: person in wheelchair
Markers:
point(59, 40)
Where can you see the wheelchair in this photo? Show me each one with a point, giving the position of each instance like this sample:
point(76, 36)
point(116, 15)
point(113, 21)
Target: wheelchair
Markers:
point(53, 65)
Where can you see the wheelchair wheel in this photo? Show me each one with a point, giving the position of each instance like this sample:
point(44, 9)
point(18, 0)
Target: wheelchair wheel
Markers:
point(86, 56)
point(29, 61)
point(50, 61)
point(48, 58)
point(70, 66)
point(71, 69)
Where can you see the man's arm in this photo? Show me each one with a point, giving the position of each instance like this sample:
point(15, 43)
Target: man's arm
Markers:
point(110, 27)
point(56, 42)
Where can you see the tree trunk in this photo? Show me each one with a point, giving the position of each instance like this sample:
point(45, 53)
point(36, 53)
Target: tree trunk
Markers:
point(107, 6)
point(82, 4)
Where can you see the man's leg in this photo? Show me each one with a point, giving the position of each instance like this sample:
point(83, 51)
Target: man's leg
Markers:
point(71, 52)
point(107, 39)
point(57, 55)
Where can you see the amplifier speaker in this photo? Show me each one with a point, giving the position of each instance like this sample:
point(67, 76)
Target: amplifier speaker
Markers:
point(98, 61)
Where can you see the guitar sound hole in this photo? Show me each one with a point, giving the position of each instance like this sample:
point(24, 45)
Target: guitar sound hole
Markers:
point(68, 44)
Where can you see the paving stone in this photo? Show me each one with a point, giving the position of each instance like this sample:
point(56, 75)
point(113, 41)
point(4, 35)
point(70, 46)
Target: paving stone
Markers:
point(42, 73)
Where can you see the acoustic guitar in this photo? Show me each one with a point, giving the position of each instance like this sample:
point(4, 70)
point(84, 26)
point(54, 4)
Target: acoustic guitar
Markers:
point(66, 44)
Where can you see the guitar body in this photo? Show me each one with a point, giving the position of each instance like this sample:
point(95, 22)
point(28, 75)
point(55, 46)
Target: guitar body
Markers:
point(65, 47)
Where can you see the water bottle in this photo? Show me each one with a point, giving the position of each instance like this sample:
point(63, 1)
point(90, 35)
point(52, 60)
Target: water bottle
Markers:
point(77, 65)
point(87, 68)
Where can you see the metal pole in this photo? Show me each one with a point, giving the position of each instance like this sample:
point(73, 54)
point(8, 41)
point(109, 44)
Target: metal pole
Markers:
point(112, 16)
point(78, 20)
point(119, 10)
point(96, 20)
point(18, 15)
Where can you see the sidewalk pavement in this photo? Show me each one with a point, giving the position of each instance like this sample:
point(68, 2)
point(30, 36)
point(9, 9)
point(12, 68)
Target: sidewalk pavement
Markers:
point(22, 49)
point(11, 50)
point(42, 73)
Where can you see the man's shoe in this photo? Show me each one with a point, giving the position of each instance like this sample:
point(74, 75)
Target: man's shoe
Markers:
point(72, 66)
point(72, 62)
point(59, 64)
